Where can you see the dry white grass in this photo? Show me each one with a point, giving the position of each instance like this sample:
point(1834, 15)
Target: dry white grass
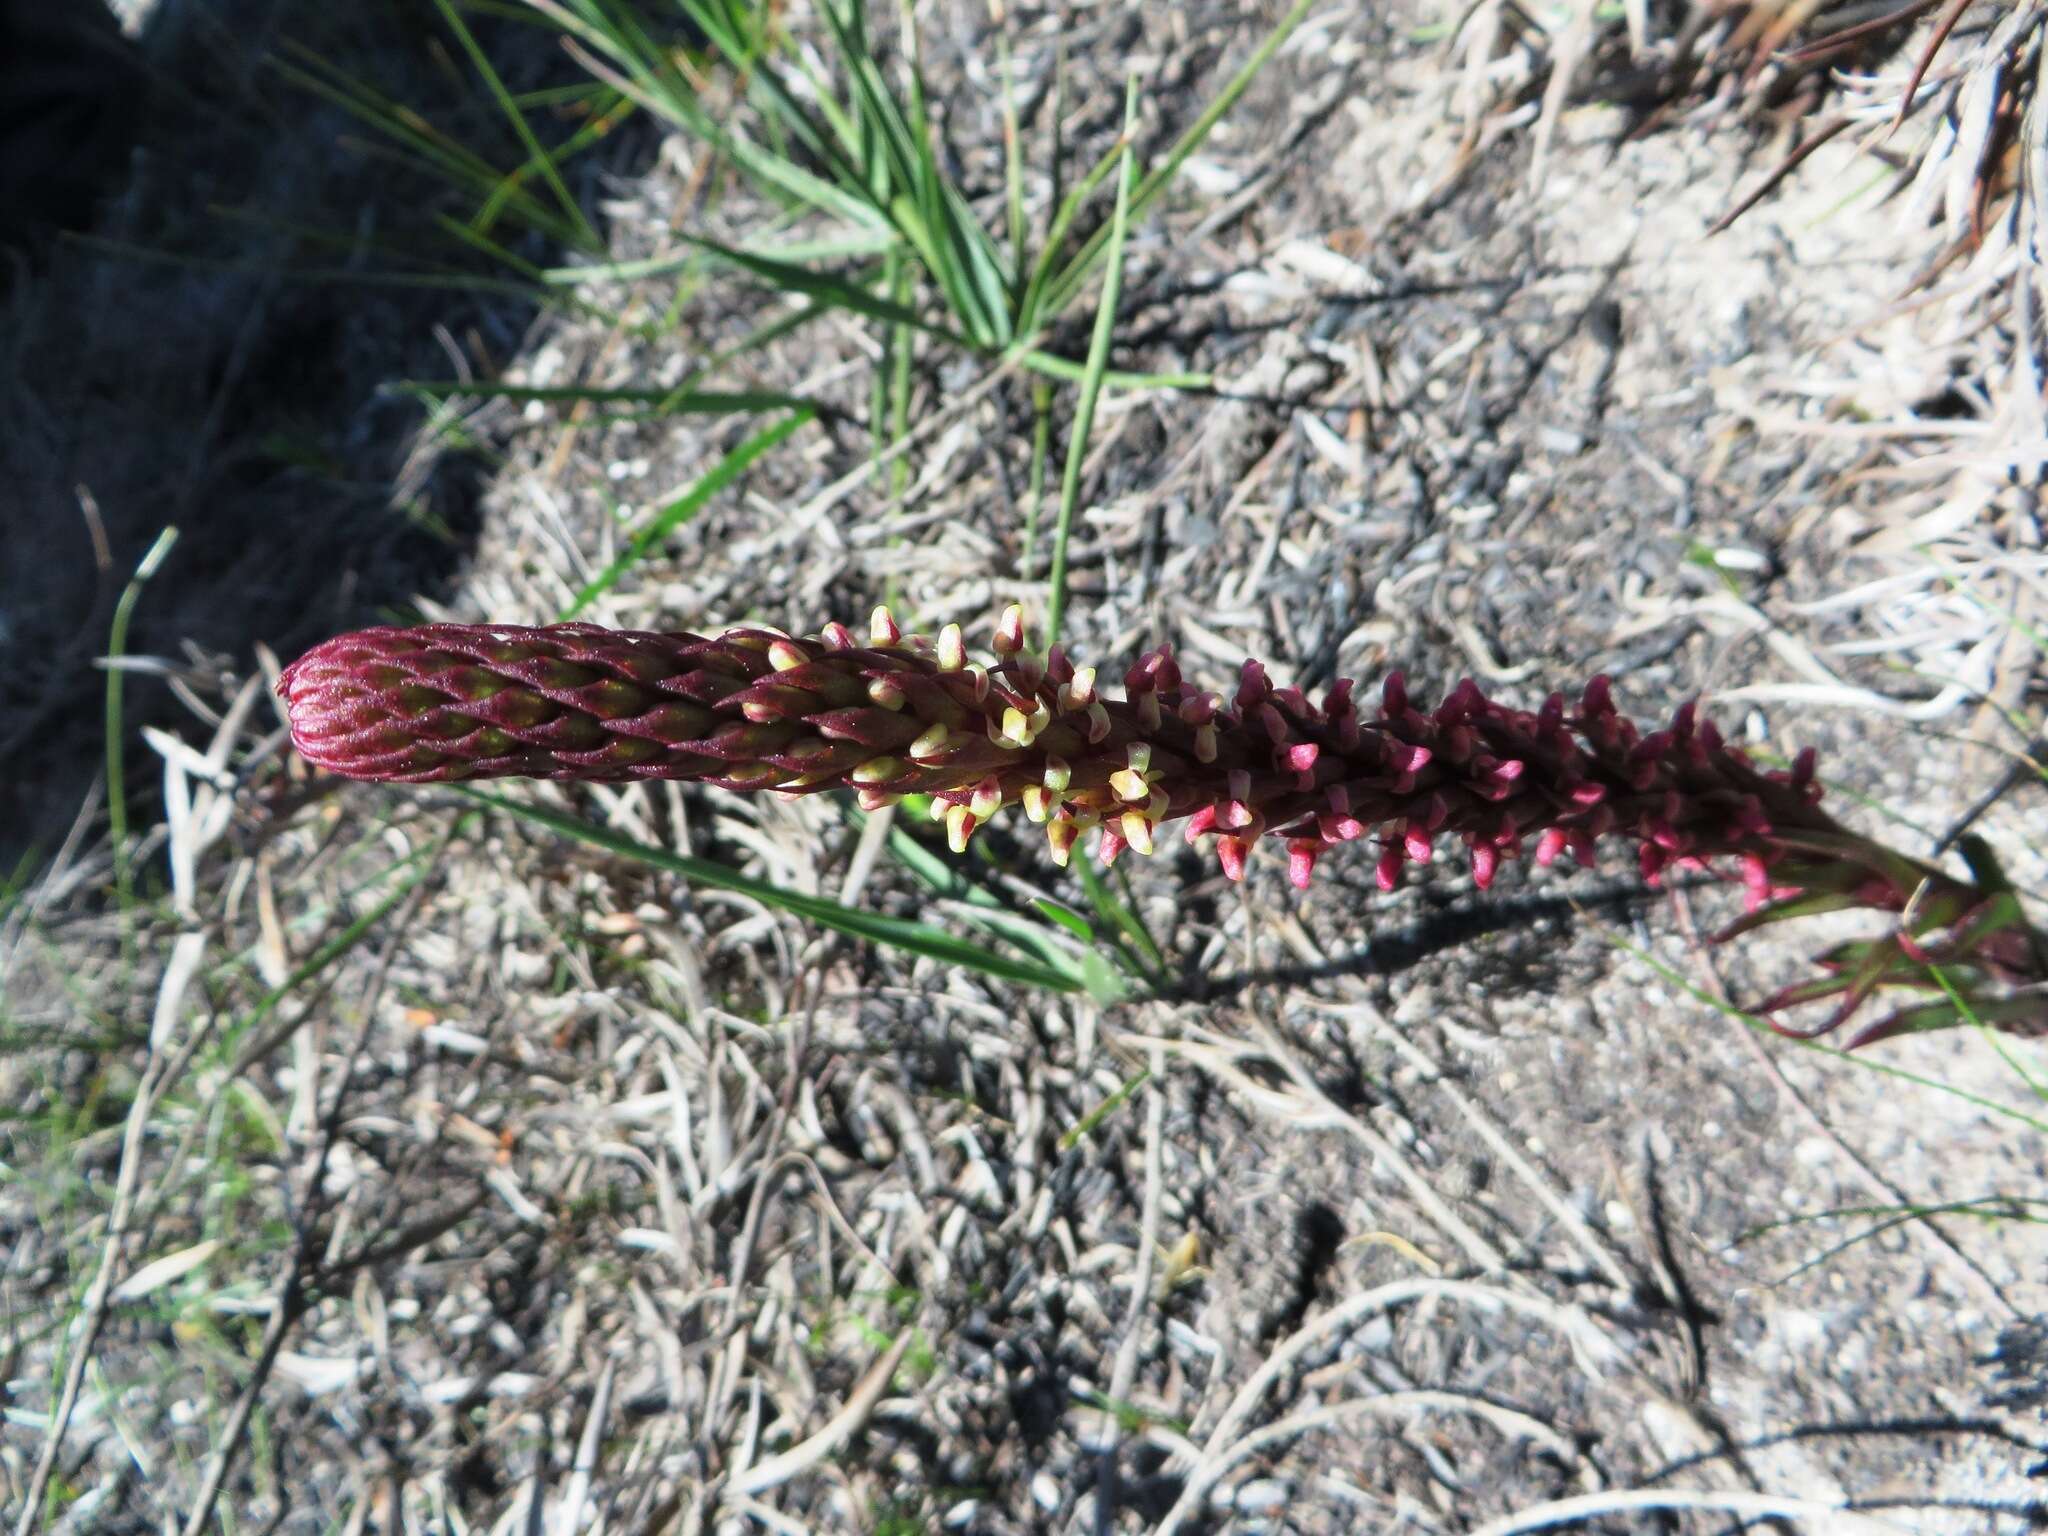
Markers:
point(571, 1198)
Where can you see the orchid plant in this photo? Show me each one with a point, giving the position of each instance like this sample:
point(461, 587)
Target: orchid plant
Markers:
point(890, 714)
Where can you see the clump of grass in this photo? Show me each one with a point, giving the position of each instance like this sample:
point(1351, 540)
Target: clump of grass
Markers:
point(841, 145)
point(864, 218)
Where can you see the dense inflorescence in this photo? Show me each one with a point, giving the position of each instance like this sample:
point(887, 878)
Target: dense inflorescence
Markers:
point(752, 710)
point(895, 714)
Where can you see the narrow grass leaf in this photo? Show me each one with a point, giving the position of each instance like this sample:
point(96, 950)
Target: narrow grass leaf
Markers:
point(1121, 918)
point(1063, 290)
point(1763, 1027)
point(946, 879)
point(1101, 1112)
point(1041, 453)
point(666, 402)
point(1013, 172)
point(432, 151)
point(415, 867)
point(1995, 1038)
point(607, 110)
point(117, 646)
point(2007, 1208)
point(539, 157)
point(1032, 311)
point(1112, 378)
point(1066, 917)
point(822, 286)
point(900, 933)
point(688, 505)
point(1091, 383)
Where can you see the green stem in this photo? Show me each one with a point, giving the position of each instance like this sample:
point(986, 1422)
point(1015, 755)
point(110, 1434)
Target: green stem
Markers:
point(1041, 451)
point(117, 645)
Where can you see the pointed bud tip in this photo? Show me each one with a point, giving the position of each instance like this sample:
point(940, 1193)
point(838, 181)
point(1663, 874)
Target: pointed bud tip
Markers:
point(1009, 636)
point(1231, 853)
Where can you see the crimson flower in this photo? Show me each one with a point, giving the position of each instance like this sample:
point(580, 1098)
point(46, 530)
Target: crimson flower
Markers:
point(896, 714)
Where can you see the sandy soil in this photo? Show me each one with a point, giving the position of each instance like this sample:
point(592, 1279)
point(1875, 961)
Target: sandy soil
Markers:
point(1435, 1207)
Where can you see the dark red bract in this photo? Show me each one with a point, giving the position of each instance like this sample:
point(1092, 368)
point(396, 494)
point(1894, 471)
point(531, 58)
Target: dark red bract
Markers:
point(753, 709)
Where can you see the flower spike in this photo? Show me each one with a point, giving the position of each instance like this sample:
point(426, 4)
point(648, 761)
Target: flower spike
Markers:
point(749, 709)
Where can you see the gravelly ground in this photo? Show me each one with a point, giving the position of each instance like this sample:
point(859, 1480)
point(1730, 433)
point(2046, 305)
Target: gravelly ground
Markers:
point(1434, 1207)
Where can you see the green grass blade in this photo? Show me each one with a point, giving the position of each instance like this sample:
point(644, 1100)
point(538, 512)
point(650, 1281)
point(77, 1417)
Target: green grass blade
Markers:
point(1984, 1208)
point(117, 646)
point(931, 215)
point(1104, 968)
point(1041, 451)
point(1085, 1127)
point(1013, 174)
point(1091, 383)
point(1763, 1027)
point(1988, 1207)
point(418, 864)
point(1031, 310)
point(1067, 286)
point(899, 348)
point(969, 260)
point(660, 93)
point(1066, 917)
point(1071, 372)
point(791, 320)
point(687, 506)
point(431, 152)
point(538, 156)
point(875, 111)
point(981, 267)
point(1136, 941)
point(667, 402)
point(900, 933)
point(478, 240)
point(947, 880)
point(859, 244)
point(1992, 1037)
point(609, 111)
point(823, 287)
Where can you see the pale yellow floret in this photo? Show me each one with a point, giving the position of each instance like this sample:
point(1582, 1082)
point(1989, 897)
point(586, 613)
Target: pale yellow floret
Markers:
point(959, 827)
point(1129, 784)
point(986, 800)
point(1009, 638)
point(1079, 693)
point(1137, 831)
point(1061, 836)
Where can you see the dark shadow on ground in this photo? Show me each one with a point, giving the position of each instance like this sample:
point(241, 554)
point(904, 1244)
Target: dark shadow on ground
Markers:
point(1452, 921)
point(176, 365)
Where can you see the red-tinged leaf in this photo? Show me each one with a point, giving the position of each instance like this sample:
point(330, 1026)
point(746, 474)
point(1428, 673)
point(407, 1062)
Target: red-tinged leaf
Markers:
point(1812, 904)
point(1798, 995)
point(2030, 1012)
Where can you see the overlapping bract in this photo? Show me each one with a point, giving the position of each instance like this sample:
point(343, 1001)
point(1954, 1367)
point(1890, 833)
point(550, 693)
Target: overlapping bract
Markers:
point(892, 714)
